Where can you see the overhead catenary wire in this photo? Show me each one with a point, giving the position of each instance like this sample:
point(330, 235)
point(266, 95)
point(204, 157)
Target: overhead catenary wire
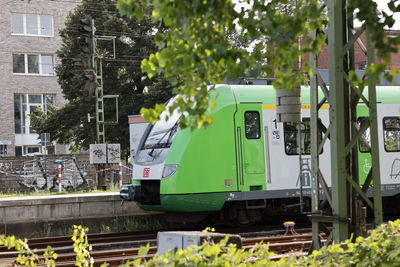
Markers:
point(111, 3)
point(77, 29)
point(126, 58)
point(81, 2)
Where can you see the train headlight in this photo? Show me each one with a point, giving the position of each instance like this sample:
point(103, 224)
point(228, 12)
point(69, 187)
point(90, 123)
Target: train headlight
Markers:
point(169, 170)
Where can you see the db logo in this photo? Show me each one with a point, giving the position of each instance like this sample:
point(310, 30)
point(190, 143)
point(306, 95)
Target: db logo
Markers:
point(146, 172)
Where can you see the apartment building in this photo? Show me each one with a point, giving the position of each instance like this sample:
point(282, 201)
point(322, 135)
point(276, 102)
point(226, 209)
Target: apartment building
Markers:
point(29, 39)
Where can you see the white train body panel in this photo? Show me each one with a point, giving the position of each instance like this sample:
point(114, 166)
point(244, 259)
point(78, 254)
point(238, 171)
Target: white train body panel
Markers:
point(389, 160)
point(284, 169)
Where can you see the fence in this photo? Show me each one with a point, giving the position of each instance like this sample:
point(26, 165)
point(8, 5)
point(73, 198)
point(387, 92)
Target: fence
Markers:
point(45, 172)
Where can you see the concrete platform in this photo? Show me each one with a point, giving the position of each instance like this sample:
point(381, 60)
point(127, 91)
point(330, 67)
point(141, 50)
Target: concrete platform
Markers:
point(69, 207)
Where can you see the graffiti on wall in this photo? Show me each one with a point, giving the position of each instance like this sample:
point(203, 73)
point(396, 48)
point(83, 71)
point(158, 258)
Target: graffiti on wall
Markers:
point(6, 166)
point(46, 174)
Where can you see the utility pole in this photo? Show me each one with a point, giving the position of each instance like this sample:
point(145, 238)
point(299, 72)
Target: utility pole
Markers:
point(344, 131)
point(94, 86)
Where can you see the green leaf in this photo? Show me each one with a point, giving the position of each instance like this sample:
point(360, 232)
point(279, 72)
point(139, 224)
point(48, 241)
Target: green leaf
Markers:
point(143, 251)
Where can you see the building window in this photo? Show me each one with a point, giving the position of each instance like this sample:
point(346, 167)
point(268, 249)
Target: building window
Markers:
point(391, 133)
point(252, 124)
point(291, 135)
point(32, 150)
point(24, 105)
point(18, 151)
point(33, 64)
point(31, 25)
point(51, 150)
point(3, 150)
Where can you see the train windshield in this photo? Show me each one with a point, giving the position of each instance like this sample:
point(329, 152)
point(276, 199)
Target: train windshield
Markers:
point(163, 131)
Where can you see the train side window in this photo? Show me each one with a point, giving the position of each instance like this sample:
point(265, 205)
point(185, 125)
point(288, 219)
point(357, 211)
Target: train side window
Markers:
point(391, 134)
point(364, 145)
point(291, 132)
point(252, 124)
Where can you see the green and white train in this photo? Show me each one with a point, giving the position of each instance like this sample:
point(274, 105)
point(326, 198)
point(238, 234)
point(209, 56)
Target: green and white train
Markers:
point(245, 164)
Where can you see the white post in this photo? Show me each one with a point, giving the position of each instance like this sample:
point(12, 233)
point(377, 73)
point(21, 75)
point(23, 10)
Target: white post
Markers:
point(59, 177)
point(120, 174)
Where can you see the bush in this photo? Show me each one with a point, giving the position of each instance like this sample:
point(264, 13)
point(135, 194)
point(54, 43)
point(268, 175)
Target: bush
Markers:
point(380, 248)
point(210, 254)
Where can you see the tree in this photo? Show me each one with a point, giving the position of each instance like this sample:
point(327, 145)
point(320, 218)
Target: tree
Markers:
point(196, 51)
point(122, 76)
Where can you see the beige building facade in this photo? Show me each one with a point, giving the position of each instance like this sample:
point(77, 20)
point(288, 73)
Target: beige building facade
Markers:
point(29, 39)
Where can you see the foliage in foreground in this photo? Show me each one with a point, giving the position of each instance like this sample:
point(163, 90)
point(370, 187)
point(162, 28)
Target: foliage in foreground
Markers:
point(380, 248)
point(196, 51)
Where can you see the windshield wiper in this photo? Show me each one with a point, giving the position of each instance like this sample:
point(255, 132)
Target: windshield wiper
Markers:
point(170, 131)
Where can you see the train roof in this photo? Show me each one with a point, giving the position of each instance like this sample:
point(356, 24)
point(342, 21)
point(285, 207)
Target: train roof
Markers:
point(265, 94)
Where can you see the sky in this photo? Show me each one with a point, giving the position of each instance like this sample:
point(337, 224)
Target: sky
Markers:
point(382, 5)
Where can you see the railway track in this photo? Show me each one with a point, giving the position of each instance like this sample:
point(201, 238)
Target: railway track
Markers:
point(279, 245)
point(63, 244)
point(61, 241)
point(117, 248)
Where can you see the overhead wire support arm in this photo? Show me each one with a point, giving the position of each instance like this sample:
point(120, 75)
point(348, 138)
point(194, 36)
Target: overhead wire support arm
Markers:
point(108, 38)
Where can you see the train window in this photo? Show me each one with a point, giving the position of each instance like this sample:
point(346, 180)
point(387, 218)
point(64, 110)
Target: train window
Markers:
point(391, 133)
point(365, 144)
point(291, 132)
point(252, 124)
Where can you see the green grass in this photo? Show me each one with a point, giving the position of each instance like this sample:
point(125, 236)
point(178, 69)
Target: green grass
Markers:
point(103, 225)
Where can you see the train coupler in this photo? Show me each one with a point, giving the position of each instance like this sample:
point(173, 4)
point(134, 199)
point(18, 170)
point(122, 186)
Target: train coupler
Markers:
point(130, 192)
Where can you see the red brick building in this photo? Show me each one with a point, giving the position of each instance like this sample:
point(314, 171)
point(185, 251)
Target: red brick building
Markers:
point(360, 57)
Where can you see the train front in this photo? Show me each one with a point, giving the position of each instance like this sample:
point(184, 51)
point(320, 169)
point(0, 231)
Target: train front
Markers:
point(185, 171)
point(149, 163)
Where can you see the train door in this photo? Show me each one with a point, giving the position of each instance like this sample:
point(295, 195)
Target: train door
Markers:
point(389, 145)
point(250, 147)
point(285, 170)
point(364, 156)
point(389, 142)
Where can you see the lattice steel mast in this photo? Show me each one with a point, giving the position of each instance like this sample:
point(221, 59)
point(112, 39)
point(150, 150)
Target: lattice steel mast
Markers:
point(344, 132)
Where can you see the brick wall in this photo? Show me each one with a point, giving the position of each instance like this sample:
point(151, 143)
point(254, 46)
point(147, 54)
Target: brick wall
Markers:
point(360, 58)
